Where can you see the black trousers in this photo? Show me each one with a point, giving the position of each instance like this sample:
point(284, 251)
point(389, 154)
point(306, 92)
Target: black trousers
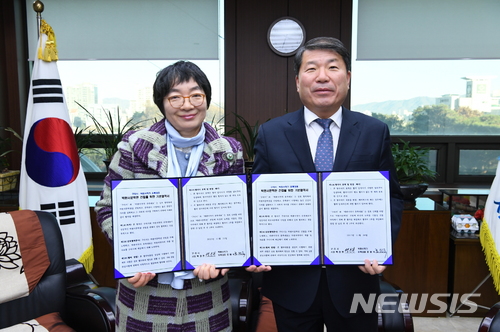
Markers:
point(322, 312)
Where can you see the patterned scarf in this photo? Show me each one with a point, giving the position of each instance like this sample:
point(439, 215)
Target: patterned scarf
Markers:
point(175, 139)
point(176, 279)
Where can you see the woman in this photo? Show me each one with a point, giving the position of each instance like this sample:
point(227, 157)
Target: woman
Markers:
point(181, 145)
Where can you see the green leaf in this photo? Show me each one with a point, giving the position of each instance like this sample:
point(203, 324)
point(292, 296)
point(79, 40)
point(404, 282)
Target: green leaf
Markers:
point(112, 131)
point(411, 163)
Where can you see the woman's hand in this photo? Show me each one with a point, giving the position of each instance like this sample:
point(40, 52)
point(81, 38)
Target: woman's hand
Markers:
point(260, 268)
point(141, 279)
point(208, 271)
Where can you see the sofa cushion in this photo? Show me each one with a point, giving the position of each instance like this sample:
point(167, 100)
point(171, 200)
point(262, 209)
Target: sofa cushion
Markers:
point(23, 254)
point(50, 322)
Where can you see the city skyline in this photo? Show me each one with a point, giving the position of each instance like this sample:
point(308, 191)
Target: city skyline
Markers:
point(376, 81)
point(120, 79)
point(371, 81)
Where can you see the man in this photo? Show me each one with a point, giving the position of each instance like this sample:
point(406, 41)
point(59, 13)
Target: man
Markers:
point(305, 298)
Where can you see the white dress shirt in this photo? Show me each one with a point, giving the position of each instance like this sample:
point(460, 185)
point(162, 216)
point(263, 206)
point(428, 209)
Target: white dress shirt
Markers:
point(314, 130)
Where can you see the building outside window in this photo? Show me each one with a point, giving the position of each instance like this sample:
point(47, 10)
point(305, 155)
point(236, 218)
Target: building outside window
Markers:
point(427, 97)
point(434, 94)
point(108, 67)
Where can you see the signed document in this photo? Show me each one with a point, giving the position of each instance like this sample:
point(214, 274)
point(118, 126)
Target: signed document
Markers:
point(216, 225)
point(357, 217)
point(321, 218)
point(166, 225)
point(285, 219)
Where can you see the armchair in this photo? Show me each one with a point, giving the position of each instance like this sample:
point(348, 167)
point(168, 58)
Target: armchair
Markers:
point(395, 315)
point(69, 295)
point(253, 313)
point(491, 321)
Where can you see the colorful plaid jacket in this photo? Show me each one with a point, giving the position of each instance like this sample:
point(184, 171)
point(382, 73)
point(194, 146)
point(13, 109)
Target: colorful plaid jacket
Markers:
point(143, 154)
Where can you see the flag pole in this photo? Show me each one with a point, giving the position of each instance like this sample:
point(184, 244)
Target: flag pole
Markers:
point(59, 186)
point(38, 8)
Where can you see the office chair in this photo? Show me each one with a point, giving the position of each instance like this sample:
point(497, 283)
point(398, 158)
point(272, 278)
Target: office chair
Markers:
point(58, 297)
point(491, 322)
point(394, 315)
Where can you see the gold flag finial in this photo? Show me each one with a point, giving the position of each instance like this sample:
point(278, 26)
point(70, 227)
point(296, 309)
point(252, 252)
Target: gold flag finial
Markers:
point(50, 51)
point(38, 6)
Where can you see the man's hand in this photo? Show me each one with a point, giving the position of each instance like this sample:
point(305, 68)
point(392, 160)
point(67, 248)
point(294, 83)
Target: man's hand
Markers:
point(256, 269)
point(372, 268)
point(141, 279)
point(208, 271)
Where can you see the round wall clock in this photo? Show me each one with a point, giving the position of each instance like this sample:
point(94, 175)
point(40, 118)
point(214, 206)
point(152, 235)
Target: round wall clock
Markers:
point(286, 35)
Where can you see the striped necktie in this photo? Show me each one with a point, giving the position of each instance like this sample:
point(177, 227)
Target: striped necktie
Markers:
point(324, 150)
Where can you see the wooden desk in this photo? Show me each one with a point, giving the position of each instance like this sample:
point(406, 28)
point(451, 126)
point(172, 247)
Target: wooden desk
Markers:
point(467, 270)
point(421, 255)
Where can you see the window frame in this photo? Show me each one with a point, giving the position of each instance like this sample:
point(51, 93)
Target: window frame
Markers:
point(448, 153)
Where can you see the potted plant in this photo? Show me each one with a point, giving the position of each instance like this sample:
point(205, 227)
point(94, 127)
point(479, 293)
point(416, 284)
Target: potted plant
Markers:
point(111, 132)
point(246, 133)
point(412, 169)
point(83, 138)
point(8, 178)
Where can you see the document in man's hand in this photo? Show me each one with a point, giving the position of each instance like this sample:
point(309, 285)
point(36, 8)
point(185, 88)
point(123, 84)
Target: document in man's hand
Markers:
point(165, 225)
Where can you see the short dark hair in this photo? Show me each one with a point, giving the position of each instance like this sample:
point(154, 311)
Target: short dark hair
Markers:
point(179, 72)
point(322, 43)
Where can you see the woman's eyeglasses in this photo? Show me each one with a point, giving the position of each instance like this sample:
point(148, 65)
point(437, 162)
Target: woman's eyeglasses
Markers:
point(196, 99)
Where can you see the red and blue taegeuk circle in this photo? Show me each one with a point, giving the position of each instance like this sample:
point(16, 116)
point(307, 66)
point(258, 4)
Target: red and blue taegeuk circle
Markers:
point(51, 154)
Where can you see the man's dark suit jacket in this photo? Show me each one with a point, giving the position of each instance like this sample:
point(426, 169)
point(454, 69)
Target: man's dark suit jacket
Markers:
point(364, 145)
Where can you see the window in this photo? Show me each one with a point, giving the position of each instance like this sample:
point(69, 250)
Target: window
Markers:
point(108, 66)
point(123, 89)
point(426, 97)
point(477, 162)
point(432, 96)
